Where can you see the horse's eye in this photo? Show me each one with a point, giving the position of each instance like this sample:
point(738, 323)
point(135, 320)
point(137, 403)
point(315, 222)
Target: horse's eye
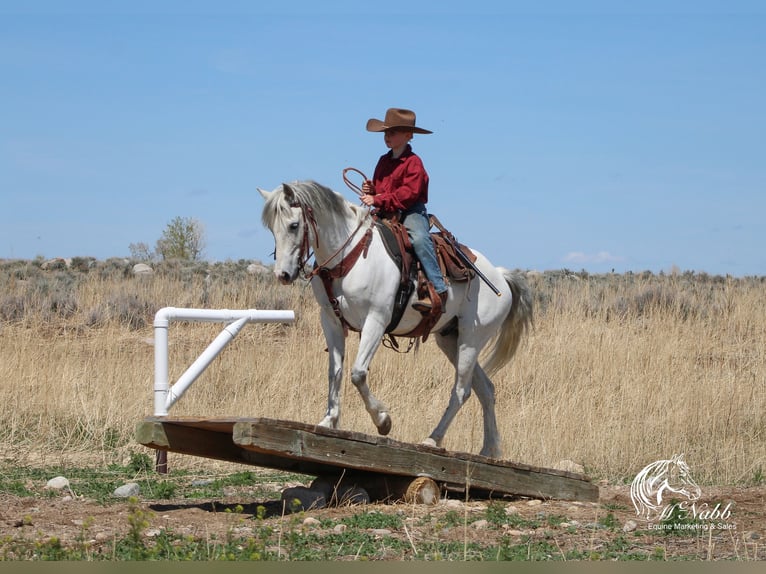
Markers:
point(294, 226)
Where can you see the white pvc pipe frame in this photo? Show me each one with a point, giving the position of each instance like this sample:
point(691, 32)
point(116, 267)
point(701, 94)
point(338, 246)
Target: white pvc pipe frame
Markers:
point(165, 395)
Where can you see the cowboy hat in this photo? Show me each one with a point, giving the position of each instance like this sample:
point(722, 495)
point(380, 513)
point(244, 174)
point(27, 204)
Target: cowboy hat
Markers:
point(396, 118)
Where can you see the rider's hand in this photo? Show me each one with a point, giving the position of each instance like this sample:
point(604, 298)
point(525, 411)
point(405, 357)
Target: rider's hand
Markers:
point(368, 199)
point(368, 188)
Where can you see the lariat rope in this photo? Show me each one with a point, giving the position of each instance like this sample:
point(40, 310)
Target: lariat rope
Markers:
point(355, 188)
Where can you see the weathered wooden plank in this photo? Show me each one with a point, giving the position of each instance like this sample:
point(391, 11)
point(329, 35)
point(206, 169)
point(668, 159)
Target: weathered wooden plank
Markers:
point(308, 449)
point(212, 438)
point(190, 439)
point(381, 455)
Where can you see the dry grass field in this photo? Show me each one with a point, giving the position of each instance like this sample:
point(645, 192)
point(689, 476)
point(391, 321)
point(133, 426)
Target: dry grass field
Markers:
point(618, 371)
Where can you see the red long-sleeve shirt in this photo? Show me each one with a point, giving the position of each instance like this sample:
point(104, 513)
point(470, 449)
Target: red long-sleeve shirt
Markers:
point(400, 182)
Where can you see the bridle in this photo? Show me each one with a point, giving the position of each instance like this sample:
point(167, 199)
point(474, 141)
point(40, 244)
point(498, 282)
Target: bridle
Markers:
point(329, 274)
point(304, 254)
point(307, 214)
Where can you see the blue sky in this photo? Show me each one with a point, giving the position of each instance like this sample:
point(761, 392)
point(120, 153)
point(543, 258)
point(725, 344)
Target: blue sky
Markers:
point(580, 135)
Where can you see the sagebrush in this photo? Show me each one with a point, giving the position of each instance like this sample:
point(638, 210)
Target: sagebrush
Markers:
point(619, 370)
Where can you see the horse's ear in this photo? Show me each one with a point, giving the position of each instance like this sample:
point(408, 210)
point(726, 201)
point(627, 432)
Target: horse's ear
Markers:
point(288, 192)
point(265, 194)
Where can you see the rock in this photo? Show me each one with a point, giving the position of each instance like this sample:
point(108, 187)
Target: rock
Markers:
point(510, 510)
point(480, 524)
point(629, 526)
point(202, 482)
point(534, 502)
point(57, 483)
point(353, 495)
point(142, 269)
point(337, 493)
point(258, 269)
point(340, 528)
point(56, 263)
point(301, 498)
point(127, 490)
point(380, 532)
point(515, 533)
point(311, 521)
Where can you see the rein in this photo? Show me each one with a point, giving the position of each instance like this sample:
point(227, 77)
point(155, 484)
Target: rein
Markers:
point(329, 275)
point(346, 261)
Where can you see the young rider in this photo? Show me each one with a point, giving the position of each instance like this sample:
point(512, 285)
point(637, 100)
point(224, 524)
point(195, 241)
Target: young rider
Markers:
point(400, 184)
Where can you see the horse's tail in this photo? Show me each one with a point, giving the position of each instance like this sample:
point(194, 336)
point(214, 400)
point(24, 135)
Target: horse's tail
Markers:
point(518, 320)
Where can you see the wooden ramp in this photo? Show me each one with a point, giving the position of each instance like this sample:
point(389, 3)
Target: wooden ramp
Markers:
point(372, 460)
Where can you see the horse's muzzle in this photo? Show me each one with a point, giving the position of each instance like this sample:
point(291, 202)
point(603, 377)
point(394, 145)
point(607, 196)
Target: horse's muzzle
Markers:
point(284, 277)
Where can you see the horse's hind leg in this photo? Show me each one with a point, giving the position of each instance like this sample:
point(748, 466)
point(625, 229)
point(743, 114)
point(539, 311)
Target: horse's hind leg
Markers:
point(485, 392)
point(464, 364)
point(468, 375)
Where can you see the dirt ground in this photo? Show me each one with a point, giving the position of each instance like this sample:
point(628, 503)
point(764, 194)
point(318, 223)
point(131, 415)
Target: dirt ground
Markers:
point(601, 530)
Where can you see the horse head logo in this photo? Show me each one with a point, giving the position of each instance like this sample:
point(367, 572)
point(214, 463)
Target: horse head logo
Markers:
point(659, 480)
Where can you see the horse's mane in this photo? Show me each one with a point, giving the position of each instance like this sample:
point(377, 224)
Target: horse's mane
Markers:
point(308, 193)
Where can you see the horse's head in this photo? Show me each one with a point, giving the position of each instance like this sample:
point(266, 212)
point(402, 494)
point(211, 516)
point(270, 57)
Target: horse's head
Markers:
point(303, 214)
point(288, 221)
point(653, 484)
point(679, 479)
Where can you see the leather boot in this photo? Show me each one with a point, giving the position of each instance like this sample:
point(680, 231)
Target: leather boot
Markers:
point(425, 304)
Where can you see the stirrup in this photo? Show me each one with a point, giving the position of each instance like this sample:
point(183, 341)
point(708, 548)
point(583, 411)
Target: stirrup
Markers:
point(425, 305)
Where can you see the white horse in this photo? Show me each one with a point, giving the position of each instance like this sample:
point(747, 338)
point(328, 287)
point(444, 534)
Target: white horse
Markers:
point(661, 478)
point(306, 215)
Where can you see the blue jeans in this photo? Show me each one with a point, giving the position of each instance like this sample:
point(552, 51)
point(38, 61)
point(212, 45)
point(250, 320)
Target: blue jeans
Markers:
point(415, 220)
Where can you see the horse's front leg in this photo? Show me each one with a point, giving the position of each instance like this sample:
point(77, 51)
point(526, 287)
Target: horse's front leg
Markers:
point(369, 341)
point(336, 349)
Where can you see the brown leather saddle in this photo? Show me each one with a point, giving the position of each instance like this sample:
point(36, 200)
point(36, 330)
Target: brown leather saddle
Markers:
point(453, 267)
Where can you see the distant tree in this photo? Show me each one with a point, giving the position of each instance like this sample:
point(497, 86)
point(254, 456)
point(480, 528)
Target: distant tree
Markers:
point(141, 251)
point(183, 238)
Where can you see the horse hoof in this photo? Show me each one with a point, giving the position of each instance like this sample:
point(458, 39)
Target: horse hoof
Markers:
point(385, 427)
point(327, 423)
point(491, 453)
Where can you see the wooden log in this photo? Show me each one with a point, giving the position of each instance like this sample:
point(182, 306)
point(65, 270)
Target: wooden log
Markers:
point(422, 490)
